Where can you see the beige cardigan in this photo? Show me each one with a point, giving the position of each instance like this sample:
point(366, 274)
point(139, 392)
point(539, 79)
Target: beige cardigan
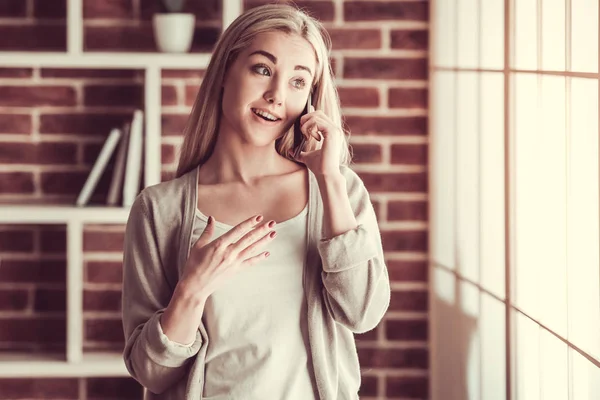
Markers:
point(345, 281)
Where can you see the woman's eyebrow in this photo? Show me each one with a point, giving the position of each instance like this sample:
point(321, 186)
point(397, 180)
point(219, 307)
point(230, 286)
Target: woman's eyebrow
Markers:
point(274, 60)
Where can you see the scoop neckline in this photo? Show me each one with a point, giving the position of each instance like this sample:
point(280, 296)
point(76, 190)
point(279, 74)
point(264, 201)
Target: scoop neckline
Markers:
point(223, 225)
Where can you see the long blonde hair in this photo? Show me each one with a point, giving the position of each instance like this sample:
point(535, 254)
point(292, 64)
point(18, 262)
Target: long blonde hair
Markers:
point(202, 126)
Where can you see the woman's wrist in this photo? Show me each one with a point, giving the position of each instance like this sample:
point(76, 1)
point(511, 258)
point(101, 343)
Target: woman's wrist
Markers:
point(181, 318)
point(189, 296)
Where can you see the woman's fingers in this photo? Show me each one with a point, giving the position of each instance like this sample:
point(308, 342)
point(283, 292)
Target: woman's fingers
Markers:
point(249, 252)
point(243, 241)
point(253, 236)
point(210, 265)
point(310, 129)
point(253, 260)
point(207, 234)
point(240, 229)
point(314, 131)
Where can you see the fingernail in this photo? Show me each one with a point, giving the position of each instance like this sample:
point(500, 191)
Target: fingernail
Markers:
point(267, 254)
point(259, 218)
point(210, 220)
point(273, 234)
point(271, 224)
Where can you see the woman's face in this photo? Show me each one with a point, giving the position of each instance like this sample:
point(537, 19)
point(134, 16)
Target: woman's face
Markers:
point(267, 87)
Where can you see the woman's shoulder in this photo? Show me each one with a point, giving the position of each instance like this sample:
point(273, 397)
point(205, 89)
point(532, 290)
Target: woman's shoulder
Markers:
point(170, 197)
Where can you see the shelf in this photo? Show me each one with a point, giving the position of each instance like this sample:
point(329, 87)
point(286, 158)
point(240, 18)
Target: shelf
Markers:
point(61, 214)
point(92, 365)
point(105, 60)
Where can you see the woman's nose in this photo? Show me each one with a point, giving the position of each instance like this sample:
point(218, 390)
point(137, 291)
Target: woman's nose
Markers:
point(275, 94)
point(273, 98)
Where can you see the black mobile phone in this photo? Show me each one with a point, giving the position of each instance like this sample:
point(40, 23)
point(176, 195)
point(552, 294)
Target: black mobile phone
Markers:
point(299, 139)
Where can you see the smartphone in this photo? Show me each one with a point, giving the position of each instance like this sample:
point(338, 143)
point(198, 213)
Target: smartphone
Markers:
point(299, 139)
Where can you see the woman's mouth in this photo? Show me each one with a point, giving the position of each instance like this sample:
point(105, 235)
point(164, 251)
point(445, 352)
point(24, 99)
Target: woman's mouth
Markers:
point(265, 116)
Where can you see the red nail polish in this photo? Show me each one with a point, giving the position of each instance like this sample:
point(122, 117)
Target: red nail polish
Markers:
point(210, 220)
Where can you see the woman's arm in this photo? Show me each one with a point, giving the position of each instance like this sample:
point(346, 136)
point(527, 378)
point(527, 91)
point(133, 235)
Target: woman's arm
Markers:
point(154, 360)
point(338, 216)
point(355, 277)
point(182, 316)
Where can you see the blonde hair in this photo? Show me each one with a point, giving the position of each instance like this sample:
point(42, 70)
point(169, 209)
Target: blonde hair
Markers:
point(202, 126)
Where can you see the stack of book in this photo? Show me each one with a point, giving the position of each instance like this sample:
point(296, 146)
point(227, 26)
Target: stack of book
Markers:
point(127, 168)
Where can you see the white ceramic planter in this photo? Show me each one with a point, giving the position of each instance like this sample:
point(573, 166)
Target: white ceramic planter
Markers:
point(174, 32)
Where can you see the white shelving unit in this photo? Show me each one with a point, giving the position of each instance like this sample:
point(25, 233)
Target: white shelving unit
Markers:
point(77, 363)
point(54, 366)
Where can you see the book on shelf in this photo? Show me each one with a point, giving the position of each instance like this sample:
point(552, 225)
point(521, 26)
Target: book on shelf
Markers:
point(116, 184)
point(99, 166)
point(126, 175)
point(133, 165)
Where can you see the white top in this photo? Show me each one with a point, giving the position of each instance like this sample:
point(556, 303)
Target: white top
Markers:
point(256, 323)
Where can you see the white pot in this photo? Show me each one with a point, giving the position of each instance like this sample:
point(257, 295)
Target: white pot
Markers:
point(174, 32)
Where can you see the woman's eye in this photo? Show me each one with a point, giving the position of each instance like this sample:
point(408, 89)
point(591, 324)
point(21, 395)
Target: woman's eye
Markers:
point(299, 83)
point(262, 70)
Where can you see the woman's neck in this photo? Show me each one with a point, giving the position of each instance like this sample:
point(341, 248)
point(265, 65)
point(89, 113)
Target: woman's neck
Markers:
point(233, 161)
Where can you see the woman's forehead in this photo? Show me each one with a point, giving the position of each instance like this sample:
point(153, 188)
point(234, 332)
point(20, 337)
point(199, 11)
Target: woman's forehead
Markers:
point(284, 47)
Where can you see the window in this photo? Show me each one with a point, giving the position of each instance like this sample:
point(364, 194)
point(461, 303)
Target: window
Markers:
point(515, 206)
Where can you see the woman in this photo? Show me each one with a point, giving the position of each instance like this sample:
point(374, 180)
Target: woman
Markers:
point(261, 299)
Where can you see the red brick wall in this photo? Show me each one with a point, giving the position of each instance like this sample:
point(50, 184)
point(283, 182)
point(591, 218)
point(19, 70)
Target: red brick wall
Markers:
point(53, 122)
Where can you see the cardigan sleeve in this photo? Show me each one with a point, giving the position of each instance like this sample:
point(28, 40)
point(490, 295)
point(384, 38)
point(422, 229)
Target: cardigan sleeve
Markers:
point(150, 357)
point(356, 286)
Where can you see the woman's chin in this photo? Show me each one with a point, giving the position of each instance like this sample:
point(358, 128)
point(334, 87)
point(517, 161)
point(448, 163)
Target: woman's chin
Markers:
point(257, 138)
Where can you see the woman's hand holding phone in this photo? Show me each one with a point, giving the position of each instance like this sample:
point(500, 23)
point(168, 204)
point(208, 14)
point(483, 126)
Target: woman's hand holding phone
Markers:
point(318, 126)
